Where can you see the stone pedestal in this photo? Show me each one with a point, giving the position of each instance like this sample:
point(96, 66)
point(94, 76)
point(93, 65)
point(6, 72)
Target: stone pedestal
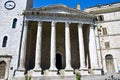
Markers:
point(69, 73)
point(84, 71)
point(52, 73)
point(46, 72)
point(97, 71)
point(62, 73)
point(19, 73)
point(34, 73)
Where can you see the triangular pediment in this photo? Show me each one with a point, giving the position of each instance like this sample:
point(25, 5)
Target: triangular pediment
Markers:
point(58, 9)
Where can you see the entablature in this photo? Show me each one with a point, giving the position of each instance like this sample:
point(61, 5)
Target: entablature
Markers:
point(58, 11)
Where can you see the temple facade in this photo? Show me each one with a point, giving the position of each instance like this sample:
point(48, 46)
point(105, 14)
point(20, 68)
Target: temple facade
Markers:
point(58, 38)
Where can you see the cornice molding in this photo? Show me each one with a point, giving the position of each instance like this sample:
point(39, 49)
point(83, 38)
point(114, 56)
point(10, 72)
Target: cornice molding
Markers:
point(37, 13)
point(49, 11)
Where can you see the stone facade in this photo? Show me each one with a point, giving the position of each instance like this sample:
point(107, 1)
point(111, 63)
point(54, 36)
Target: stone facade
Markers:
point(108, 34)
point(9, 35)
point(57, 40)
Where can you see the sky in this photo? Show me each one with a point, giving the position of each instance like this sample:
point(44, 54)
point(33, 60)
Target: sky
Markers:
point(72, 3)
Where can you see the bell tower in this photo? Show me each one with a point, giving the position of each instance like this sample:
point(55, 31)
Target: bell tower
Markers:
point(11, 24)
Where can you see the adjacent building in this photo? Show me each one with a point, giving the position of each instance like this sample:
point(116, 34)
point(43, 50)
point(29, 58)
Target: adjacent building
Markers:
point(108, 35)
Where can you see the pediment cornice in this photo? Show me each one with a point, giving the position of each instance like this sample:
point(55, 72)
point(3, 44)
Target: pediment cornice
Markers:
point(57, 11)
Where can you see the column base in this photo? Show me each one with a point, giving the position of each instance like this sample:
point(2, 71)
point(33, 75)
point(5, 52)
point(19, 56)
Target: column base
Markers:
point(62, 73)
point(68, 73)
point(53, 69)
point(34, 73)
point(84, 71)
point(46, 72)
point(68, 68)
point(19, 73)
point(52, 73)
point(95, 71)
point(37, 69)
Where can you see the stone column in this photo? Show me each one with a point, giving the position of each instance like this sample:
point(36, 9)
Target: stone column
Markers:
point(53, 47)
point(23, 47)
point(38, 47)
point(83, 68)
point(81, 46)
point(67, 47)
point(93, 50)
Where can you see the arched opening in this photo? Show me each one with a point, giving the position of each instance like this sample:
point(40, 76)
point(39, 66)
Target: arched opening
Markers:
point(59, 61)
point(109, 63)
point(2, 69)
point(4, 41)
point(14, 23)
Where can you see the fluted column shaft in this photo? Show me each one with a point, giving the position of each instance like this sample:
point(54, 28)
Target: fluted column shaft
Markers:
point(92, 48)
point(38, 47)
point(53, 47)
point(81, 46)
point(23, 47)
point(67, 47)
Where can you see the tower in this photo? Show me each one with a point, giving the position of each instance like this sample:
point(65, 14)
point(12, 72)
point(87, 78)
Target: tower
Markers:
point(11, 15)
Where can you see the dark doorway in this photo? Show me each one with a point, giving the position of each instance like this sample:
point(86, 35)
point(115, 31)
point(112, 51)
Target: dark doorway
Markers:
point(58, 61)
point(2, 69)
point(109, 63)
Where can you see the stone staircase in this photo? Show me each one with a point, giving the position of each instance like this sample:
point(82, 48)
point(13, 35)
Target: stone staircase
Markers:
point(49, 78)
point(102, 77)
point(90, 77)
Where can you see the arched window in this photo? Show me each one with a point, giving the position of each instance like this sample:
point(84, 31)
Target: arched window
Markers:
point(4, 41)
point(2, 69)
point(14, 23)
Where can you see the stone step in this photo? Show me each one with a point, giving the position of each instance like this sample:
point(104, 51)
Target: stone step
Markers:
point(102, 77)
point(49, 78)
point(90, 77)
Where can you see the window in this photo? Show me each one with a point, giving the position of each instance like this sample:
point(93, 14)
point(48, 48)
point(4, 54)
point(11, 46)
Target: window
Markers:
point(14, 23)
point(96, 19)
point(2, 69)
point(104, 31)
point(4, 41)
point(100, 18)
point(107, 45)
